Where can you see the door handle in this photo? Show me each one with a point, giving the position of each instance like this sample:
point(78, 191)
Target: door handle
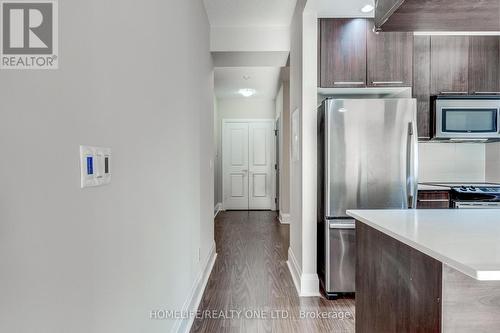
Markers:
point(433, 200)
point(349, 82)
point(411, 183)
point(387, 82)
point(453, 93)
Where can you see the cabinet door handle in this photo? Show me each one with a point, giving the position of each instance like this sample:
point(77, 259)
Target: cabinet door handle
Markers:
point(454, 93)
point(387, 82)
point(433, 200)
point(349, 82)
point(486, 92)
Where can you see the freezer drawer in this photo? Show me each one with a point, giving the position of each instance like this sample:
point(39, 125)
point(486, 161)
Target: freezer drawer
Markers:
point(342, 258)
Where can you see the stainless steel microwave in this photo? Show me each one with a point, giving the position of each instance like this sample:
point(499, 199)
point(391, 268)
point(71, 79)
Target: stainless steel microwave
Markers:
point(465, 117)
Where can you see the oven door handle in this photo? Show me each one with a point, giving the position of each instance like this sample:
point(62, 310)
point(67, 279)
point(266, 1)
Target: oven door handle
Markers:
point(349, 224)
point(476, 205)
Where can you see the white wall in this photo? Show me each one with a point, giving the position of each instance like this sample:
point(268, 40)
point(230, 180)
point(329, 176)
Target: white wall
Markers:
point(493, 162)
point(295, 251)
point(279, 102)
point(286, 141)
point(100, 259)
point(310, 281)
point(217, 160)
point(240, 108)
point(283, 111)
point(246, 108)
point(303, 94)
point(249, 39)
point(452, 162)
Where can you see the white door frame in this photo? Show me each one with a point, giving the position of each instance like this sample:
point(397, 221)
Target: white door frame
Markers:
point(273, 154)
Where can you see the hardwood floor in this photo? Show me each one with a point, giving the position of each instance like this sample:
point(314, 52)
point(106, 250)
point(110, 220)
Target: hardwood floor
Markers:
point(251, 275)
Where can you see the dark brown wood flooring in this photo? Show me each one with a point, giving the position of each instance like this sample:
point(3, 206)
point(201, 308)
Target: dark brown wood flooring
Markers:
point(251, 275)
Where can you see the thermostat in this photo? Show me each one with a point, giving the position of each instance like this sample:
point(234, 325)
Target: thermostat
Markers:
point(95, 166)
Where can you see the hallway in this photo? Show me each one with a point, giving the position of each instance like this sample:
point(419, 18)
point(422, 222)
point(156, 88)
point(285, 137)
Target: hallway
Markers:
point(251, 274)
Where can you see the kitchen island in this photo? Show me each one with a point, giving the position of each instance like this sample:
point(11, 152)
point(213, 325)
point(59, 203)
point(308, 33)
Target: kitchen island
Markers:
point(427, 270)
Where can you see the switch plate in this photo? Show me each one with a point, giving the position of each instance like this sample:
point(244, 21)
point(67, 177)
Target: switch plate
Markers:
point(95, 165)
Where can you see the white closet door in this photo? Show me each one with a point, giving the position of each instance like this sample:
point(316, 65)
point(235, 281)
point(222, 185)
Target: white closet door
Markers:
point(235, 165)
point(261, 165)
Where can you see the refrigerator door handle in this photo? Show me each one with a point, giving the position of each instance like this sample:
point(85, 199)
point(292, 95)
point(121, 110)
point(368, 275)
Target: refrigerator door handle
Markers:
point(411, 166)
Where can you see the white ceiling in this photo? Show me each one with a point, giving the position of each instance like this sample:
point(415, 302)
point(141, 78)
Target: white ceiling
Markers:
point(250, 59)
point(263, 79)
point(231, 67)
point(341, 8)
point(250, 12)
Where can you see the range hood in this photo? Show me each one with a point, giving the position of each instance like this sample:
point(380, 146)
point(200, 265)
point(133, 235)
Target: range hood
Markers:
point(437, 15)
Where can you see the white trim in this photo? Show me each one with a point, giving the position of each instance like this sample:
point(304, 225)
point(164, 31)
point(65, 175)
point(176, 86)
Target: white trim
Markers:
point(279, 157)
point(217, 209)
point(294, 269)
point(307, 285)
point(246, 120)
point(193, 301)
point(274, 172)
point(284, 218)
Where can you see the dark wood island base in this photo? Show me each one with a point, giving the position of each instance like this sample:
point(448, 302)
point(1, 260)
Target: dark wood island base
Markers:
point(400, 289)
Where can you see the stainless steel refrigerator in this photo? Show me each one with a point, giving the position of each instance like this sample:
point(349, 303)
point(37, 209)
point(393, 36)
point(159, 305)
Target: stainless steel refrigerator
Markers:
point(367, 159)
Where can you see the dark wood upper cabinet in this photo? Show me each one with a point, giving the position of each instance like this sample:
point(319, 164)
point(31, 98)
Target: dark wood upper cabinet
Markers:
point(351, 55)
point(452, 64)
point(343, 53)
point(449, 64)
point(389, 58)
point(422, 83)
point(437, 15)
point(484, 64)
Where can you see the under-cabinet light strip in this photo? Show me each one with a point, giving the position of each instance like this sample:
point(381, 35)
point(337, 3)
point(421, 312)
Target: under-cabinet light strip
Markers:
point(456, 33)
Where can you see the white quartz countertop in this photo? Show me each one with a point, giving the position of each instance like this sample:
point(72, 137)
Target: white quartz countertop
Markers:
point(468, 240)
point(427, 187)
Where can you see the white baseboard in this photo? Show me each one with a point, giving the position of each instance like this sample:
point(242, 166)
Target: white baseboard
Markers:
point(193, 301)
point(294, 269)
point(309, 285)
point(284, 218)
point(306, 284)
point(217, 208)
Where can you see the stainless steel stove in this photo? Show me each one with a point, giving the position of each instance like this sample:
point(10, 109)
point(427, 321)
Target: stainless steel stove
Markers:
point(476, 196)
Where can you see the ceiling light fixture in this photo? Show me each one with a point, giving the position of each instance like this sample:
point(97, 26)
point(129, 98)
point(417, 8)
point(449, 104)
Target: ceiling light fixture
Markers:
point(247, 92)
point(367, 8)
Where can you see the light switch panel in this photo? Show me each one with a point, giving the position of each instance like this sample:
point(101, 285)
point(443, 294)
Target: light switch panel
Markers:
point(95, 166)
